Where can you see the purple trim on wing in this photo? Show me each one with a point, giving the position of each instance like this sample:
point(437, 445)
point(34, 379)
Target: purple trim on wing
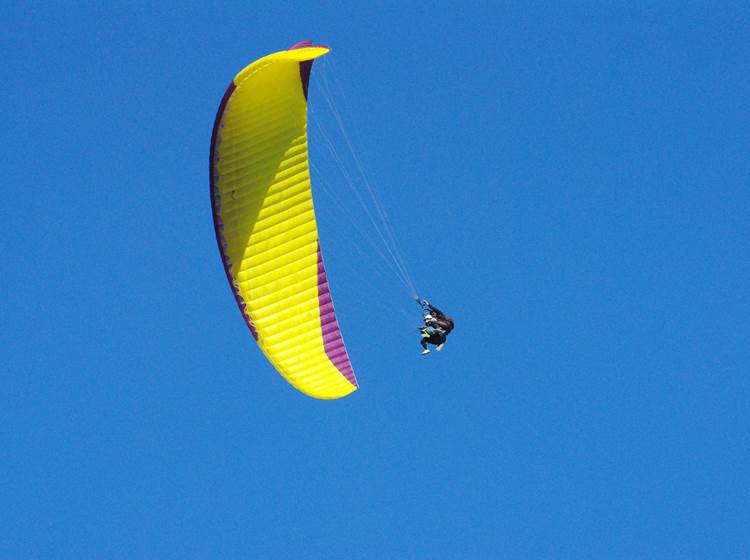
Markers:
point(304, 73)
point(306, 65)
point(306, 43)
point(333, 343)
point(213, 175)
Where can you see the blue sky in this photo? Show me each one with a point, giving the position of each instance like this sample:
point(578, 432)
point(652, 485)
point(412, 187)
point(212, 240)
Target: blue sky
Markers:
point(568, 180)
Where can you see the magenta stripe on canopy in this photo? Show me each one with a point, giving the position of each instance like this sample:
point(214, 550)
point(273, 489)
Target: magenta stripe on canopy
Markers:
point(332, 341)
point(213, 175)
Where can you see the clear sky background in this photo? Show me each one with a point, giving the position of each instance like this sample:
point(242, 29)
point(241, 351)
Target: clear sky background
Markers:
point(569, 180)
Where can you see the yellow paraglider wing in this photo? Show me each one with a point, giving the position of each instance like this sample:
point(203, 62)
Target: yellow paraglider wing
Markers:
point(265, 223)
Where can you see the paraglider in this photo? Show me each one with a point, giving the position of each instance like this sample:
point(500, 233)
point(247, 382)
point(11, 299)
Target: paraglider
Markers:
point(266, 229)
point(265, 225)
point(437, 327)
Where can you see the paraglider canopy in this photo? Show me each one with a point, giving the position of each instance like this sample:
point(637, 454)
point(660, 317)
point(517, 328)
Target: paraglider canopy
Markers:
point(265, 224)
